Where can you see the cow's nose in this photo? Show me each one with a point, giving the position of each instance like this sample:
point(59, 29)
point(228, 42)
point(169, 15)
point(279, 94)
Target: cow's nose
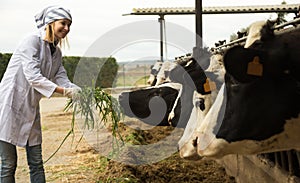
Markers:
point(195, 142)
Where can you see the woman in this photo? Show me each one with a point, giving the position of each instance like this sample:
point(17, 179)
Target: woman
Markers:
point(35, 70)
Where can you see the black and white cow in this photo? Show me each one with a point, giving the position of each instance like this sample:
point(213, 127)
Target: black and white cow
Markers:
point(191, 75)
point(201, 105)
point(152, 105)
point(153, 73)
point(167, 66)
point(257, 109)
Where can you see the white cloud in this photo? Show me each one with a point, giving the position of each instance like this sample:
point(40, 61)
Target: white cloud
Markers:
point(94, 18)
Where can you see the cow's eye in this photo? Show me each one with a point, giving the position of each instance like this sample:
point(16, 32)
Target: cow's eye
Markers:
point(200, 103)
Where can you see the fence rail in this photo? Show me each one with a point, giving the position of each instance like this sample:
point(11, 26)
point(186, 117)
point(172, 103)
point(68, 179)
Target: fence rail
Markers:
point(242, 40)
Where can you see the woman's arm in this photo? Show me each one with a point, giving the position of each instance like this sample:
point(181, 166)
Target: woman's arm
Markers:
point(28, 52)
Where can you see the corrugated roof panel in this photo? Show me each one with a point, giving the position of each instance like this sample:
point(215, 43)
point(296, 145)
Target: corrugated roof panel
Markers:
point(216, 10)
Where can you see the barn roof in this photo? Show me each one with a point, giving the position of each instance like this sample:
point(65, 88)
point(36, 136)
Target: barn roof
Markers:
point(288, 8)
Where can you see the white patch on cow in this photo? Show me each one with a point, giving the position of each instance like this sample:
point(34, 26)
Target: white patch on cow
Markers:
point(287, 140)
point(175, 86)
point(254, 33)
point(161, 76)
point(156, 67)
point(188, 63)
point(216, 63)
point(172, 113)
point(151, 79)
point(204, 132)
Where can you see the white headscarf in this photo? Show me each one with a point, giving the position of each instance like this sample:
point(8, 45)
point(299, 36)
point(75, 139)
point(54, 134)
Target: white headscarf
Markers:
point(51, 14)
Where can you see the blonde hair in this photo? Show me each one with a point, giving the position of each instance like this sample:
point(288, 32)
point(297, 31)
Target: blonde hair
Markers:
point(50, 37)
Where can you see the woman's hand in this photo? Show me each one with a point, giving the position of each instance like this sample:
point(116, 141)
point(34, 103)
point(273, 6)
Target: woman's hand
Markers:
point(71, 93)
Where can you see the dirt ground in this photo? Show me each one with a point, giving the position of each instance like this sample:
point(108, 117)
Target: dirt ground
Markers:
point(80, 162)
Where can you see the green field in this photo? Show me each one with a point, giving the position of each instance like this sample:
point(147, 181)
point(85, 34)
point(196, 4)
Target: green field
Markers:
point(133, 77)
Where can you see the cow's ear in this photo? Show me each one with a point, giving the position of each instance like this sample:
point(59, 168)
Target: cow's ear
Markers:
point(243, 64)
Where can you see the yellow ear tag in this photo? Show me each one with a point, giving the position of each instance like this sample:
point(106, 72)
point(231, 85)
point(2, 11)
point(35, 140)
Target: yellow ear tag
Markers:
point(255, 67)
point(209, 85)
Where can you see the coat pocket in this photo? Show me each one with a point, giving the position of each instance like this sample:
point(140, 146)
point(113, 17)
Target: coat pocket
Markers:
point(17, 98)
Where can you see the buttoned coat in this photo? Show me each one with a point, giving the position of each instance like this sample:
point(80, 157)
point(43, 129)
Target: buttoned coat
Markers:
point(32, 72)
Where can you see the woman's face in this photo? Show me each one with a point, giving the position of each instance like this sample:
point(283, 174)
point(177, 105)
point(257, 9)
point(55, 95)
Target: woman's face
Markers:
point(61, 28)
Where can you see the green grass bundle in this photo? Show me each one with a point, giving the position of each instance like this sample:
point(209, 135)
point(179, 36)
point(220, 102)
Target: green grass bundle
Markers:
point(97, 109)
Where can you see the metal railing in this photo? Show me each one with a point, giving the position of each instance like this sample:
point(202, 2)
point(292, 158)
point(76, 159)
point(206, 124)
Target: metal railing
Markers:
point(242, 40)
point(289, 161)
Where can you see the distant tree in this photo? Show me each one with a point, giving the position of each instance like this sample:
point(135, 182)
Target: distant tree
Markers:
point(4, 59)
point(70, 64)
point(108, 73)
point(105, 69)
point(100, 72)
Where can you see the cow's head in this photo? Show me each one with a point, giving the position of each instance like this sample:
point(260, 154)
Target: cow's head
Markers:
point(190, 74)
point(254, 33)
point(260, 84)
point(151, 105)
point(258, 108)
point(201, 106)
point(188, 142)
point(154, 71)
point(163, 74)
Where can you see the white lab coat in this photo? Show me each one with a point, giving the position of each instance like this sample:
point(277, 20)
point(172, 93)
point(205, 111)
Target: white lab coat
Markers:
point(31, 73)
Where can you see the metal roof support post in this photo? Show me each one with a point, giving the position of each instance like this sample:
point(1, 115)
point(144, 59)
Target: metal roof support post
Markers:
point(161, 21)
point(199, 33)
point(199, 44)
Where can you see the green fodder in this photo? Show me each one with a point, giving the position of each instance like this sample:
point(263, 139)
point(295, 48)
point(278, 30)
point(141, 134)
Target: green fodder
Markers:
point(96, 108)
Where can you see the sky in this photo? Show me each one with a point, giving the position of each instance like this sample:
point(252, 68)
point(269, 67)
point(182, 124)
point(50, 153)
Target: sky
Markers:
point(100, 29)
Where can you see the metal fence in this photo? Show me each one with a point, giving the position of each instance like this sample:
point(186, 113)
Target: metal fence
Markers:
point(289, 161)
